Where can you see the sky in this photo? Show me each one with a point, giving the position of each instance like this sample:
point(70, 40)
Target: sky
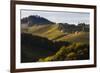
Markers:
point(59, 16)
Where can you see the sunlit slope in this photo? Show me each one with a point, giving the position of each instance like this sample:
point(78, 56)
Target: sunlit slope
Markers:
point(76, 37)
point(52, 32)
point(49, 31)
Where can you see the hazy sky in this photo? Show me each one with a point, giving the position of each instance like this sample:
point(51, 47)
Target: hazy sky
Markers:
point(59, 17)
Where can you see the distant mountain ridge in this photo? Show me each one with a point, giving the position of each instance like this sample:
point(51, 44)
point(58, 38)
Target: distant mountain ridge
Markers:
point(42, 22)
point(35, 19)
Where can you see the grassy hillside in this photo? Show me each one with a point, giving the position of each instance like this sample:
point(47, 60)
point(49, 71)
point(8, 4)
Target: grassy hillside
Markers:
point(75, 51)
point(53, 33)
point(76, 37)
point(49, 31)
point(34, 47)
point(51, 44)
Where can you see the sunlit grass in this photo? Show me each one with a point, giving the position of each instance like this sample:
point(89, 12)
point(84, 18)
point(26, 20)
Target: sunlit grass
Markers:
point(79, 37)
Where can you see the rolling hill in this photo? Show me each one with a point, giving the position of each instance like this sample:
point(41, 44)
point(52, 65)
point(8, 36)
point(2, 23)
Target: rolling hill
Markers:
point(43, 40)
point(48, 31)
point(35, 47)
point(52, 32)
point(76, 37)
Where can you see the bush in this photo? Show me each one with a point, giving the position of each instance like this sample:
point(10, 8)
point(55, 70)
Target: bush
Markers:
point(72, 56)
point(75, 51)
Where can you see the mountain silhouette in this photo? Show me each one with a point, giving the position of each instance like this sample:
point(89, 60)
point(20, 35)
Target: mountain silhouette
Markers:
point(35, 20)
